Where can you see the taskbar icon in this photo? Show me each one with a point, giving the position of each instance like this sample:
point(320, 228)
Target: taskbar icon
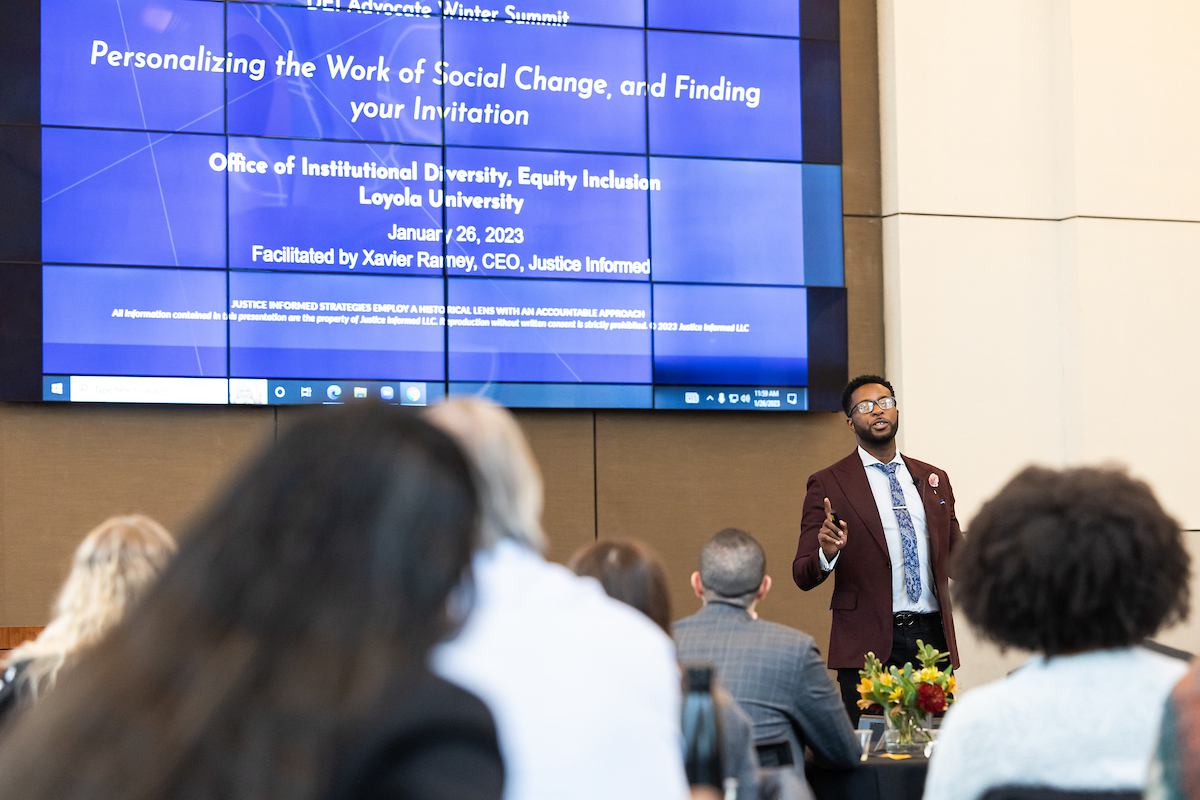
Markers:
point(266, 391)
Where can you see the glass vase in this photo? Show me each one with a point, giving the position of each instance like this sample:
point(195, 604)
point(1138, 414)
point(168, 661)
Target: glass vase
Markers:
point(906, 730)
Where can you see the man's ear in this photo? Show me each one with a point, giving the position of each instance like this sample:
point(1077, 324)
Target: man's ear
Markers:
point(697, 585)
point(763, 588)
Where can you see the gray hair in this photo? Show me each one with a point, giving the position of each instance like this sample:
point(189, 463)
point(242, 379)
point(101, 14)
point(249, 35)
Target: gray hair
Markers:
point(732, 566)
point(508, 479)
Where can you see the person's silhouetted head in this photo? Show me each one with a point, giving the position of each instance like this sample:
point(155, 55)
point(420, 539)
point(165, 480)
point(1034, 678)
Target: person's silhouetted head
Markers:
point(1067, 561)
point(113, 566)
point(630, 572)
point(733, 568)
point(298, 606)
point(510, 484)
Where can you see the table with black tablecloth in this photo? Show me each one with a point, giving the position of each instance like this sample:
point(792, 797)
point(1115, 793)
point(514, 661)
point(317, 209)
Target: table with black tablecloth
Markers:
point(877, 778)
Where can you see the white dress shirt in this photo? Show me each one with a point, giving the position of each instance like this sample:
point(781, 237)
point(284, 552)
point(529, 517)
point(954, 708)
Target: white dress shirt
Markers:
point(1085, 722)
point(585, 691)
point(881, 490)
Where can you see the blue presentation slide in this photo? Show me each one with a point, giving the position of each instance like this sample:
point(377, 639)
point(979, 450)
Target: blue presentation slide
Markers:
point(530, 214)
point(333, 206)
point(724, 96)
point(629, 13)
point(558, 13)
point(745, 335)
point(122, 197)
point(293, 325)
point(769, 17)
point(545, 87)
point(746, 222)
point(332, 76)
point(575, 194)
point(127, 321)
point(549, 331)
point(143, 64)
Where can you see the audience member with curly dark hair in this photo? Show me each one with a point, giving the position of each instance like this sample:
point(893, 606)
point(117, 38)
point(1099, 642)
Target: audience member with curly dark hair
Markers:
point(1066, 562)
point(1078, 566)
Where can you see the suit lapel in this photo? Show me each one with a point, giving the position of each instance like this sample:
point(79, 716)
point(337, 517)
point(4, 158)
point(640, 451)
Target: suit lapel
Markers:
point(931, 500)
point(852, 478)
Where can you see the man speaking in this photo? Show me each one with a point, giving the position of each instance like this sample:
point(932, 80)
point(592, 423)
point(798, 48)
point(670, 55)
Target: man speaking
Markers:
point(890, 550)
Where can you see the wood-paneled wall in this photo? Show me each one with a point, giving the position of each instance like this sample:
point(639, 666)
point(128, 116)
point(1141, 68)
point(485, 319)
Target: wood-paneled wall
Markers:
point(65, 468)
point(671, 479)
point(11, 637)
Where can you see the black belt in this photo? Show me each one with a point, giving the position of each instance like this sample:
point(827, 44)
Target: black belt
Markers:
point(906, 619)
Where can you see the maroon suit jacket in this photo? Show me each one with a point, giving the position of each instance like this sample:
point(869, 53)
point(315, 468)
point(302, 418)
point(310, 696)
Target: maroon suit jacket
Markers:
point(862, 577)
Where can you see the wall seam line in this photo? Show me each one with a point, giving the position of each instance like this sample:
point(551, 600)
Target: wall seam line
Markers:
point(1024, 219)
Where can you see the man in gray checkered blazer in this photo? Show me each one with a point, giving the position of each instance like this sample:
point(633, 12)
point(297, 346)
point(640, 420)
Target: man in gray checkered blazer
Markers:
point(774, 672)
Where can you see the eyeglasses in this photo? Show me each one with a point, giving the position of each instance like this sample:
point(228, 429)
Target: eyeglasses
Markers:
point(867, 406)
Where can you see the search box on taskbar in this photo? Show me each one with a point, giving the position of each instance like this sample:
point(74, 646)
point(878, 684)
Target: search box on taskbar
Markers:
point(123, 389)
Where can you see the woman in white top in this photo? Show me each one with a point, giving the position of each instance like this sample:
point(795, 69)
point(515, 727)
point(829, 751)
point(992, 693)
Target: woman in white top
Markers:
point(1077, 566)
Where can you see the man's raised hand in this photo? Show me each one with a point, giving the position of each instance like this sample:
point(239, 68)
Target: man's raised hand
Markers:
point(832, 538)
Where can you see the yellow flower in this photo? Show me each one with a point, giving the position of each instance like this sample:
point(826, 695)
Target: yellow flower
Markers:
point(886, 679)
point(927, 675)
point(952, 685)
point(866, 687)
point(864, 703)
point(896, 694)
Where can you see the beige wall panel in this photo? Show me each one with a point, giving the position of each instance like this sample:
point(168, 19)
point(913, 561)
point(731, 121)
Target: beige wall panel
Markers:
point(977, 332)
point(1040, 109)
point(63, 469)
point(1186, 636)
point(1136, 122)
point(975, 349)
point(969, 106)
point(673, 480)
point(860, 108)
point(562, 444)
point(1138, 284)
point(1066, 330)
point(982, 661)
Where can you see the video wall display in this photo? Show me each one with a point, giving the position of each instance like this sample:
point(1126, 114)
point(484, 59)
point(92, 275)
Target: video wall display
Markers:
point(571, 204)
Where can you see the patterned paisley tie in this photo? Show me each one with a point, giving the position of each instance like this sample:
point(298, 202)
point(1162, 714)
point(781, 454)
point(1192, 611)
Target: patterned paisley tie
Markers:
point(908, 534)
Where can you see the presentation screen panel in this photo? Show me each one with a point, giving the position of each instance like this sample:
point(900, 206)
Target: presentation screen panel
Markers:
point(569, 204)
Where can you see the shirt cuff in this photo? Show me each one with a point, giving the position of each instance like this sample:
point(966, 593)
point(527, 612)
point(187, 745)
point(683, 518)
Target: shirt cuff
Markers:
point(826, 564)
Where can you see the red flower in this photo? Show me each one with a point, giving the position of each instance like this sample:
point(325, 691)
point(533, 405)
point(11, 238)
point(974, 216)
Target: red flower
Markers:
point(931, 698)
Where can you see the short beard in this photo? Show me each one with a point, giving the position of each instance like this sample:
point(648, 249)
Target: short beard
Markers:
point(871, 437)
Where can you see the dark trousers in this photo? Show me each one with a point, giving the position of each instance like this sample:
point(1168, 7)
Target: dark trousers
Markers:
point(926, 627)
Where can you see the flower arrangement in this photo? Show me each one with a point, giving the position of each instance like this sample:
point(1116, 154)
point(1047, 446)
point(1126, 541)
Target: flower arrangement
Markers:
point(908, 696)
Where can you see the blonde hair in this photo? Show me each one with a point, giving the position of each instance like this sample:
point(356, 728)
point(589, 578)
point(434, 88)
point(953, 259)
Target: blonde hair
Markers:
point(112, 568)
point(508, 478)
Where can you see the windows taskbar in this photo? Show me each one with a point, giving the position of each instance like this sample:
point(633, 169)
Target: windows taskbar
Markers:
point(267, 391)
